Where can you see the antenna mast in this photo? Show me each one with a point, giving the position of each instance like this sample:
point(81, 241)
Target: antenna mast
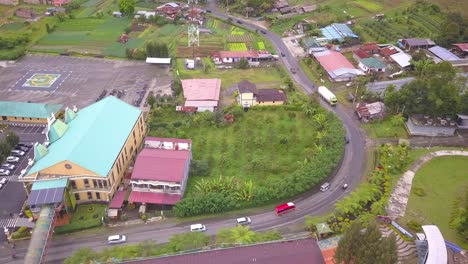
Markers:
point(193, 36)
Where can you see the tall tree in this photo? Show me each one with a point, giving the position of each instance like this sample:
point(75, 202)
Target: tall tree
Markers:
point(127, 7)
point(372, 247)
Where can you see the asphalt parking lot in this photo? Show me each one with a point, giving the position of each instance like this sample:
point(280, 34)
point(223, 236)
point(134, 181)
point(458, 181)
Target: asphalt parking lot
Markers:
point(13, 194)
point(81, 81)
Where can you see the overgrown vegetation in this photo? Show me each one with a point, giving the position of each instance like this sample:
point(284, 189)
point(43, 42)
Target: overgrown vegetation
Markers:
point(273, 153)
point(177, 243)
point(8, 143)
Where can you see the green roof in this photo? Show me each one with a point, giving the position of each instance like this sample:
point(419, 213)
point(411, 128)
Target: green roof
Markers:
point(310, 42)
point(28, 110)
point(69, 115)
point(373, 63)
point(323, 228)
point(57, 130)
point(40, 151)
point(50, 184)
point(94, 137)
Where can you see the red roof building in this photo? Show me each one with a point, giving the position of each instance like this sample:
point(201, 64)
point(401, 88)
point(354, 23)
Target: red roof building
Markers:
point(337, 66)
point(388, 51)
point(370, 48)
point(359, 54)
point(461, 49)
point(202, 93)
point(161, 171)
point(304, 251)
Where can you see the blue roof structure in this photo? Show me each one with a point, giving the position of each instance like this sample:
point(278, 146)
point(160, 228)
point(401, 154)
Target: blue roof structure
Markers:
point(28, 110)
point(337, 31)
point(443, 53)
point(94, 137)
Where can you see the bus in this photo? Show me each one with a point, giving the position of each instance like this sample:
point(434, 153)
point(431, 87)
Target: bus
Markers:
point(285, 208)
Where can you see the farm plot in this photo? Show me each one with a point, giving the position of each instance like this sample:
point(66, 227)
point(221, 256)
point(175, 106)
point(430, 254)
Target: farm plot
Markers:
point(260, 45)
point(240, 38)
point(208, 45)
point(84, 35)
point(237, 46)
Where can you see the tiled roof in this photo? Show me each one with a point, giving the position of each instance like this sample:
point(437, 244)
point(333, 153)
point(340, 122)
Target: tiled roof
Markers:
point(304, 251)
point(246, 87)
point(270, 95)
point(387, 51)
point(28, 110)
point(160, 165)
point(369, 47)
point(373, 63)
point(361, 53)
point(94, 138)
point(201, 89)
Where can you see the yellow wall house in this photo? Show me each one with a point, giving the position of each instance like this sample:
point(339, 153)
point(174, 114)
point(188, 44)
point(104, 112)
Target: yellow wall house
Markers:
point(249, 95)
point(27, 112)
point(92, 147)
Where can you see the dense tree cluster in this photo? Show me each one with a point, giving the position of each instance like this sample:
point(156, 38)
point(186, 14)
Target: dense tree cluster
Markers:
point(364, 244)
point(7, 144)
point(249, 7)
point(437, 91)
point(157, 50)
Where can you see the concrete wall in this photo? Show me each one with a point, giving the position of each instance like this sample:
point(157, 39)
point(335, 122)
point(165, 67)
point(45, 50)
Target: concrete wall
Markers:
point(430, 131)
point(271, 103)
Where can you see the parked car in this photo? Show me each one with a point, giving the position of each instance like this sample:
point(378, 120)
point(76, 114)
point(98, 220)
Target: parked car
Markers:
point(239, 22)
point(345, 186)
point(17, 153)
point(244, 221)
point(27, 145)
point(12, 159)
point(3, 181)
point(7, 166)
point(4, 172)
point(21, 148)
point(283, 55)
point(197, 228)
point(116, 239)
point(346, 139)
point(263, 31)
point(325, 187)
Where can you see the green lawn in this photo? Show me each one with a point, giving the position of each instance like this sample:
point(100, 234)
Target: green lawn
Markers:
point(443, 179)
point(86, 216)
point(232, 76)
point(385, 129)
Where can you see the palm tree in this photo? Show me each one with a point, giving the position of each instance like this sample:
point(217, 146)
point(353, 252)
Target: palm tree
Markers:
point(245, 192)
point(242, 235)
point(308, 109)
point(321, 120)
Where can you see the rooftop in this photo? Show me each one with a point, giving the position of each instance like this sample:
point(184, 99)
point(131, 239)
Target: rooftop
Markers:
point(162, 159)
point(361, 53)
point(462, 46)
point(337, 31)
point(389, 50)
point(246, 87)
point(437, 250)
point(94, 137)
point(373, 63)
point(401, 59)
point(154, 198)
point(419, 42)
point(304, 251)
point(336, 64)
point(443, 53)
point(29, 110)
point(271, 95)
point(201, 89)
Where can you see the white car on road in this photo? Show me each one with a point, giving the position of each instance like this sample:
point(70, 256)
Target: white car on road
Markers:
point(244, 221)
point(12, 159)
point(4, 172)
point(3, 181)
point(116, 239)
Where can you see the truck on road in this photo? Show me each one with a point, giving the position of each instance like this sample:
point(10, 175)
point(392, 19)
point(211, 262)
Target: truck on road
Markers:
point(327, 95)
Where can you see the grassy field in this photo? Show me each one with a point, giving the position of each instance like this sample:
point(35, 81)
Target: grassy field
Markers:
point(253, 138)
point(232, 76)
point(443, 179)
point(385, 129)
point(86, 216)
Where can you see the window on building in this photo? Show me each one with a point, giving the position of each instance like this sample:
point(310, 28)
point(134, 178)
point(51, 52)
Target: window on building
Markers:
point(98, 196)
point(105, 182)
point(90, 196)
point(73, 184)
point(95, 184)
point(118, 169)
point(77, 196)
point(100, 184)
point(86, 183)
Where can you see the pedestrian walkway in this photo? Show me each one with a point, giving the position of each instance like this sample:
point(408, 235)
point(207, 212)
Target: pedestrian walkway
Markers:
point(399, 198)
point(16, 222)
point(406, 251)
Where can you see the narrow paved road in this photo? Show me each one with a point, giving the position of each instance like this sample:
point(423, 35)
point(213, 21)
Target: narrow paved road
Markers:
point(313, 203)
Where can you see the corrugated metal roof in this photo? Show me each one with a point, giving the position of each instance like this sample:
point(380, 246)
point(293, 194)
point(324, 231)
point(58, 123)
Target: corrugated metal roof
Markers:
point(462, 46)
point(443, 53)
point(337, 31)
point(28, 110)
point(401, 59)
point(201, 89)
point(47, 184)
point(373, 63)
point(94, 138)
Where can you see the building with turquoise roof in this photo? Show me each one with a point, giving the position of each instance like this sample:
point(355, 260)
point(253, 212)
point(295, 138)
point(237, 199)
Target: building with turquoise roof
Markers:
point(28, 112)
point(92, 148)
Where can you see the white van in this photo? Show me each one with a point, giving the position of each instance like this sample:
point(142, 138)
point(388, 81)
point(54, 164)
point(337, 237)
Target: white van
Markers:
point(116, 239)
point(197, 228)
point(325, 187)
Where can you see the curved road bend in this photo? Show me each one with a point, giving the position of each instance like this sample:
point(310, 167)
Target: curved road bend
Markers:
point(350, 172)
